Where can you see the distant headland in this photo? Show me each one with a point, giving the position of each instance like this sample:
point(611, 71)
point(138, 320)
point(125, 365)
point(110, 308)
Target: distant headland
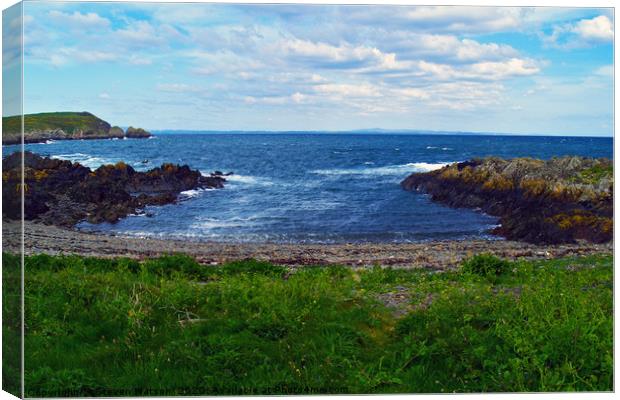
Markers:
point(63, 126)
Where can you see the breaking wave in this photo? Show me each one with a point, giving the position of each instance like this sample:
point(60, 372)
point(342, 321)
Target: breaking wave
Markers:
point(387, 170)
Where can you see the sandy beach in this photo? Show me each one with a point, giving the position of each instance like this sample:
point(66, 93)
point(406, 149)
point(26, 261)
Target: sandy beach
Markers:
point(437, 255)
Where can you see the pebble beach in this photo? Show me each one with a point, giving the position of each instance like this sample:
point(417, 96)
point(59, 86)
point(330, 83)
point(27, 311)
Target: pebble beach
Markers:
point(434, 255)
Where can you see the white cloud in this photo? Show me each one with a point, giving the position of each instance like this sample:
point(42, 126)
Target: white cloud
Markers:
point(415, 93)
point(177, 88)
point(605, 71)
point(466, 18)
point(503, 69)
point(453, 19)
point(136, 60)
point(68, 55)
point(596, 29)
point(343, 56)
point(486, 70)
point(77, 20)
point(222, 62)
point(470, 50)
point(104, 96)
point(296, 98)
point(465, 95)
point(139, 33)
point(583, 33)
point(348, 90)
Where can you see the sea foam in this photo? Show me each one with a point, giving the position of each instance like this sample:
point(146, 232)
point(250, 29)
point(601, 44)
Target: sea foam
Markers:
point(247, 180)
point(386, 170)
point(84, 159)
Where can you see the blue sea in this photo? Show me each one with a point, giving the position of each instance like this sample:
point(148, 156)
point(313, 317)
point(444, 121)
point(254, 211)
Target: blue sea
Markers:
point(309, 187)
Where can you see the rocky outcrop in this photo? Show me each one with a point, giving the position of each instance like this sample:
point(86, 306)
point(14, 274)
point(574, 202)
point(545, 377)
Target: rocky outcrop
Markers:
point(544, 202)
point(62, 126)
point(116, 132)
point(63, 193)
point(137, 133)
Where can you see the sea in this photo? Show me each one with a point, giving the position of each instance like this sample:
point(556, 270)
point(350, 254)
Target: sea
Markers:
point(309, 187)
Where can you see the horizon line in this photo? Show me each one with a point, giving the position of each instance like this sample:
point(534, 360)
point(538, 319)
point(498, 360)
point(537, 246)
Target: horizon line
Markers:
point(378, 131)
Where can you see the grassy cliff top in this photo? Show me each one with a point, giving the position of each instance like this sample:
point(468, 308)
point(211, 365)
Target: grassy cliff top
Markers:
point(67, 121)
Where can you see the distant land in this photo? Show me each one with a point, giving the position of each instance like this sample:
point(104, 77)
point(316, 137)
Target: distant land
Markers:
point(63, 126)
point(370, 131)
point(70, 125)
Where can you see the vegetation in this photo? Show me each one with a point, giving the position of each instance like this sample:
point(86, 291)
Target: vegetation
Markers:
point(67, 121)
point(595, 174)
point(11, 325)
point(486, 265)
point(61, 126)
point(169, 326)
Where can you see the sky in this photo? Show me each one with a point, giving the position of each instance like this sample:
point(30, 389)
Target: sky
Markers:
point(305, 67)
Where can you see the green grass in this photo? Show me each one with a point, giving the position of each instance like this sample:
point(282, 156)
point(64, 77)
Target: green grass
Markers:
point(67, 121)
point(11, 325)
point(98, 327)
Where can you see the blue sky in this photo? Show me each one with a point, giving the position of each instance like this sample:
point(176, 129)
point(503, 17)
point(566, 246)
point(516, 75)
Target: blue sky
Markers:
point(304, 67)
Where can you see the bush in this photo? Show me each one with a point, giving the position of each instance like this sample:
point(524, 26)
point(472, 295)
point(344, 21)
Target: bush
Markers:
point(485, 264)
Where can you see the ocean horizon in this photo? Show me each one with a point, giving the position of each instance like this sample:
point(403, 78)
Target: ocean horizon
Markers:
point(371, 131)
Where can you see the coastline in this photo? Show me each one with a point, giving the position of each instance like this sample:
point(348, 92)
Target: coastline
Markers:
point(66, 125)
point(434, 255)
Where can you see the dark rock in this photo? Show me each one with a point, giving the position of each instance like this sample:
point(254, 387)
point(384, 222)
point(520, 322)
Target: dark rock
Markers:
point(137, 133)
point(556, 201)
point(116, 132)
point(63, 193)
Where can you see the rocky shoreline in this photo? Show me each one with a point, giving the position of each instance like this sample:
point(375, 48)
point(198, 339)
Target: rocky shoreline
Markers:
point(562, 200)
point(533, 198)
point(62, 193)
point(435, 255)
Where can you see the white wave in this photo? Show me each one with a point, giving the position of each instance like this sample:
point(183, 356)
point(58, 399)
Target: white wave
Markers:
point(425, 167)
point(431, 147)
point(68, 156)
point(85, 159)
point(446, 148)
point(214, 223)
point(139, 214)
point(50, 141)
point(387, 170)
point(244, 179)
point(250, 180)
point(190, 193)
point(193, 192)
